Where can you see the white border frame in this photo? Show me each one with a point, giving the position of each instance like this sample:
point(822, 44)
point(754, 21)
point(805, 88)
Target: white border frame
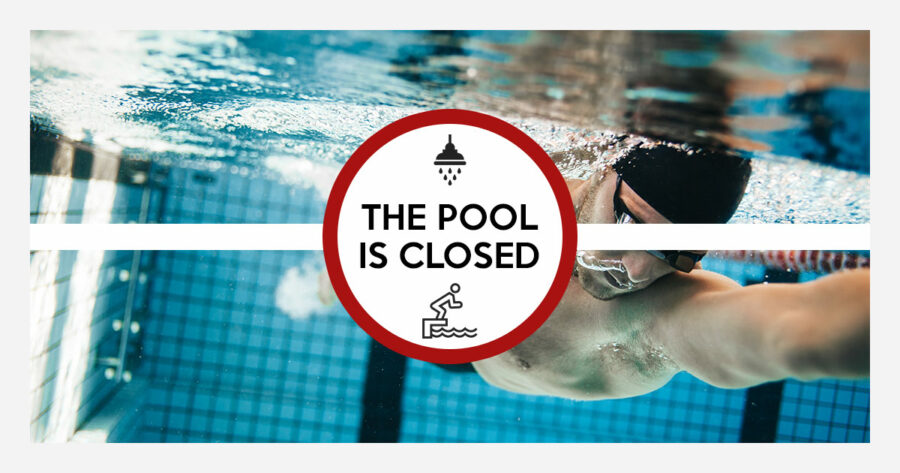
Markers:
point(468, 14)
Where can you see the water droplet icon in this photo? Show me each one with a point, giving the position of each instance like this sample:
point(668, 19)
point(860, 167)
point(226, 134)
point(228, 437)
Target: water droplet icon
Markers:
point(452, 159)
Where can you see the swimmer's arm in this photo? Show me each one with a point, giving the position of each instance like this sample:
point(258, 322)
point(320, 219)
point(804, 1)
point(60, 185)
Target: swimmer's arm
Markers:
point(581, 191)
point(742, 336)
point(573, 184)
point(578, 190)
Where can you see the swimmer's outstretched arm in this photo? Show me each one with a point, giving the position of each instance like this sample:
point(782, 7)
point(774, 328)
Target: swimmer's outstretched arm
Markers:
point(742, 336)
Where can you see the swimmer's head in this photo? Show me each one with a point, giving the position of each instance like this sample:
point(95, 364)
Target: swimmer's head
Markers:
point(659, 185)
point(665, 185)
point(686, 186)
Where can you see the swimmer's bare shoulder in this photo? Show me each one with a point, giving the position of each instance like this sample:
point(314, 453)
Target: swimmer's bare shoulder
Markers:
point(703, 323)
point(592, 349)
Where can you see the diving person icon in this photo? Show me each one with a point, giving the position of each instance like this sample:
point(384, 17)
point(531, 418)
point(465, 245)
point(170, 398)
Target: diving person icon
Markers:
point(439, 325)
point(440, 305)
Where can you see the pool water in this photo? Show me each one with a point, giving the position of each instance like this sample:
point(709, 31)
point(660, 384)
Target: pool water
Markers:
point(292, 106)
point(253, 127)
point(236, 346)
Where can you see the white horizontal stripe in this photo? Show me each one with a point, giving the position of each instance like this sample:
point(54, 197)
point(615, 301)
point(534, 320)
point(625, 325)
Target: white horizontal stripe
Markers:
point(725, 237)
point(309, 237)
point(177, 237)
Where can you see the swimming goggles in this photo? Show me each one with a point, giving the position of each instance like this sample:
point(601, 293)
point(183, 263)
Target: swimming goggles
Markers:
point(620, 211)
point(683, 261)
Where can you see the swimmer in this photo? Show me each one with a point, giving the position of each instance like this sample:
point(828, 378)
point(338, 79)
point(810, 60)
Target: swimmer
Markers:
point(630, 320)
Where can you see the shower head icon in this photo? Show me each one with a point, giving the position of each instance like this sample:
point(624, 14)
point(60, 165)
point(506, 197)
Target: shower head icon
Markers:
point(449, 162)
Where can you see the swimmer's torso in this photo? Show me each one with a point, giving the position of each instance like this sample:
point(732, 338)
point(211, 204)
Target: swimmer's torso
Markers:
point(587, 349)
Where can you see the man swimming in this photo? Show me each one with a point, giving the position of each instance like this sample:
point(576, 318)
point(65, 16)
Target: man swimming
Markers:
point(630, 320)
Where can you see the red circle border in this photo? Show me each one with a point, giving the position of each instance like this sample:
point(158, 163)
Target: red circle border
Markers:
point(336, 200)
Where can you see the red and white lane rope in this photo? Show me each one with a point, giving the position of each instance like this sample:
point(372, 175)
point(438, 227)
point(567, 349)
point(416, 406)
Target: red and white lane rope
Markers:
point(798, 260)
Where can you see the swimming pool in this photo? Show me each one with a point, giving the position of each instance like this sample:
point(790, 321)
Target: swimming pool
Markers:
point(252, 127)
point(235, 346)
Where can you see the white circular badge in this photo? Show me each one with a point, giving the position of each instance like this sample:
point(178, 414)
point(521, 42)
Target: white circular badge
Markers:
point(449, 236)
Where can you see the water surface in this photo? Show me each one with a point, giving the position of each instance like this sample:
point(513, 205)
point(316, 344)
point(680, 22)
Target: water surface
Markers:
point(293, 106)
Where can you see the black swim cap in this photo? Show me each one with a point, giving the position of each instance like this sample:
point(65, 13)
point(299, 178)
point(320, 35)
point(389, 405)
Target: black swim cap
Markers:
point(701, 187)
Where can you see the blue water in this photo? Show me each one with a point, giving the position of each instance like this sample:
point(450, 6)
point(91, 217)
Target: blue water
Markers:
point(292, 106)
point(221, 357)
